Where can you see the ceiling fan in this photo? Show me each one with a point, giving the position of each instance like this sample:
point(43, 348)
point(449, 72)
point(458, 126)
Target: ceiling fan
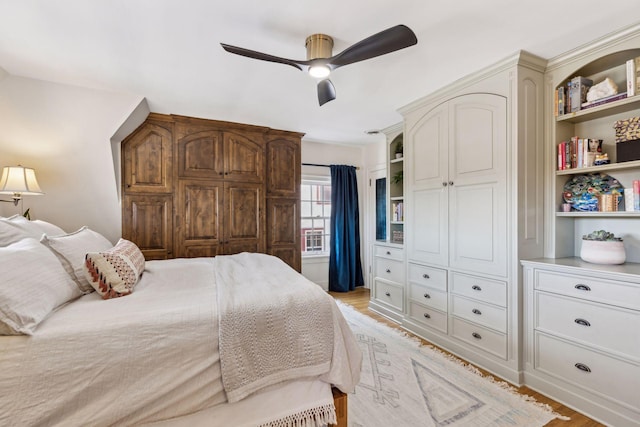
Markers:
point(320, 63)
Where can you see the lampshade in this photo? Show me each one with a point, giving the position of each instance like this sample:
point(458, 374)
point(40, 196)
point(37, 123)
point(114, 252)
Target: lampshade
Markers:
point(18, 180)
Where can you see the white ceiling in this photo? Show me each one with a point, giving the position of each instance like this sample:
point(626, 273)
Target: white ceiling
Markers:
point(169, 51)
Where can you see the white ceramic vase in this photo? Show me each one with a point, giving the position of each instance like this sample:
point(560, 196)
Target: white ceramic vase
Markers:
point(599, 252)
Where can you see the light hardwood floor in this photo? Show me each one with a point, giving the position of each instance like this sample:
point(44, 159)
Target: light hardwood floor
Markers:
point(359, 299)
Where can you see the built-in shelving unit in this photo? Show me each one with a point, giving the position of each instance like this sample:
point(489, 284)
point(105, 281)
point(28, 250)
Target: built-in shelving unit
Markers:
point(396, 190)
point(565, 229)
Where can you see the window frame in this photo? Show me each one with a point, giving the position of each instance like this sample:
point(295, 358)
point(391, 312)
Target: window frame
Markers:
point(325, 237)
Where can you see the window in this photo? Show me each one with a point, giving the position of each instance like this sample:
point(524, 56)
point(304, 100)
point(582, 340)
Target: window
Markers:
point(315, 215)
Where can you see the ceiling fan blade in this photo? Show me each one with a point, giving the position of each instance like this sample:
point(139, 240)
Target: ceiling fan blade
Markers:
point(326, 91)
point(300, 65)
point(387, 41)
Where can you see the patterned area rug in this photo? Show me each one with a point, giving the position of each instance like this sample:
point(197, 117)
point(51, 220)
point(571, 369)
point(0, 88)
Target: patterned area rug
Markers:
point(405, 384)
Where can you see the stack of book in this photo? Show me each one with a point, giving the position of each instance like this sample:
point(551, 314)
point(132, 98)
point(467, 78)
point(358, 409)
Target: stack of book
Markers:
point(578, 152)
point(633, 76)
point(632, 197)
point(398, 212)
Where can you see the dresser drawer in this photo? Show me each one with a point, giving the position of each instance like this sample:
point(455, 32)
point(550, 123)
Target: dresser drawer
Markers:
point(597, 373)
point(428, 317)
point(390, 270)
point(388, 252)
point(596, 324)
point(617, 293)
point(479, 312)
point(481, 337)
point(428, 276)
point(491, 291)
point(389, 294)
point(430, 297)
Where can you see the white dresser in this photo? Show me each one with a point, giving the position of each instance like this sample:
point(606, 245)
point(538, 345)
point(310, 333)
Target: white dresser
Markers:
point(582, 336)
point(388, 292)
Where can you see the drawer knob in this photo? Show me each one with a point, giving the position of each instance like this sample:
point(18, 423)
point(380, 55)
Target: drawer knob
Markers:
point(425, 275)
point(476, 336)
point(476, 288)
point(582, 322)
point(388, 270)
point(582, 287)
point(427, 316)
point(444, 184)
point(388, 294)
point(388, 253)
point(582, 367)
point(476, 311)
point(427, 296)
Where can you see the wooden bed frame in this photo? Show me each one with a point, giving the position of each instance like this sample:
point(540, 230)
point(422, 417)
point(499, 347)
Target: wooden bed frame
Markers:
point(340, 402)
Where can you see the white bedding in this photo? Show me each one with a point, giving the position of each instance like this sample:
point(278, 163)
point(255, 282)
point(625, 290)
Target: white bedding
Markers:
point(143, 358)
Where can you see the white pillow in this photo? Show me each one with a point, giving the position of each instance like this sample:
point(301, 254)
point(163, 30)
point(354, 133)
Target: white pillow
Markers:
point(48, 228)
point(9, 233)
point(71, 249)
point(26, 227)
point(33, 284)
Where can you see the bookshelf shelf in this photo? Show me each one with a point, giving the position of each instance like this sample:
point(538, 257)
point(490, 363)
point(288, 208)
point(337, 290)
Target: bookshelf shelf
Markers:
point(400, 198)
point(620, 214)
point(602, 168)
point(604, 110)
point(400, 160)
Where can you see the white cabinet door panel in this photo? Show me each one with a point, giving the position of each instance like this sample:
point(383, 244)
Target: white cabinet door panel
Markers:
point(428, 218)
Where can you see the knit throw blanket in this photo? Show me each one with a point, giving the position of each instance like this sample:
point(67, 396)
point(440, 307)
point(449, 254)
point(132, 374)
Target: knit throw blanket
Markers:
point(275, 325)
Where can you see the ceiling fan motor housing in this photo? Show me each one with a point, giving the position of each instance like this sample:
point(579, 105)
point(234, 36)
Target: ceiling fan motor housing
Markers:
point(318, 46)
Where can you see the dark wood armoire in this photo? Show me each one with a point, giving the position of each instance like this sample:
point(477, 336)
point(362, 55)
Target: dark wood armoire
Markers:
point(194, 187)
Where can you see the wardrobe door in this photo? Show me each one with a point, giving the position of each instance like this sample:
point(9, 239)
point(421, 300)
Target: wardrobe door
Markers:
point(477, 189)
point(244, 220)
point(200, 154)
point(198, 229)
point(148, 222)
point(147, 159)
point(283, 230)
point(243, 157)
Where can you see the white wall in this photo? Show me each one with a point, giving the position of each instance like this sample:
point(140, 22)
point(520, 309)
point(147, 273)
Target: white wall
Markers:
point(64, 132)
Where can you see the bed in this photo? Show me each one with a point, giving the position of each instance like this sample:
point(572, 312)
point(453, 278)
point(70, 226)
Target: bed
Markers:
point(239, 340)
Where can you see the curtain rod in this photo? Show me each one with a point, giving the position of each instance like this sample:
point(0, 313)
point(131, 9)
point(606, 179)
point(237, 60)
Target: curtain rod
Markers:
point(324, 166)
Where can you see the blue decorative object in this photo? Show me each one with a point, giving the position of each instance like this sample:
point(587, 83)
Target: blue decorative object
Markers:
point(345, 267)
point(582, 191)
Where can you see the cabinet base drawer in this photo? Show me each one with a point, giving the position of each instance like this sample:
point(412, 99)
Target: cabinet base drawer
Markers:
point(428, 317)
point(481, 337)
point(597, 373)
point(478, 312)
point(389, 294)
point(428, 296)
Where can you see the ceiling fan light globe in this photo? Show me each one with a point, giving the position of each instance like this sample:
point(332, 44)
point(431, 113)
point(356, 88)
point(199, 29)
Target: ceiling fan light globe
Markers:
point(319, 71)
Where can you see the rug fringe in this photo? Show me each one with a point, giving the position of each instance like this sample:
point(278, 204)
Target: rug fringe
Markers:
point(469, 367)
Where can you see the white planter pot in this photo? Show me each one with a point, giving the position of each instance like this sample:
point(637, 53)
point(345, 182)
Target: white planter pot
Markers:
point(599, 252)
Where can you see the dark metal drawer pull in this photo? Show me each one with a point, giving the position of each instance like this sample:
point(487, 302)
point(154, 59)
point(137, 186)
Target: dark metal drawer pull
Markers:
point(476, 288)
point(582, 322)
point(427, 316)
point(582, 287)
point(388, 294)
point(582, 367)
point(476, 311)
point(476, 336)
point(425, 275)
point(427, 296)
point(388, 270)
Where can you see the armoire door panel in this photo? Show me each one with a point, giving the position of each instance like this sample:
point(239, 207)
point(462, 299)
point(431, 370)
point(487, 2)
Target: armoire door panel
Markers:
point(244, 215)
point(289, 255)
point(148, 222)
point(428, 222)
point(478, 138)
point(478, 231)
point(198, 228)
point(283, 168)
point(284, 221)
point(147, 158)
point(429, 150)
point(194, 250)
point(200, 155)
point(244, 157)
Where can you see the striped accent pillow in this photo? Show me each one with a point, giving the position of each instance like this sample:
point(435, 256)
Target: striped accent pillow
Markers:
point(114, 273)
